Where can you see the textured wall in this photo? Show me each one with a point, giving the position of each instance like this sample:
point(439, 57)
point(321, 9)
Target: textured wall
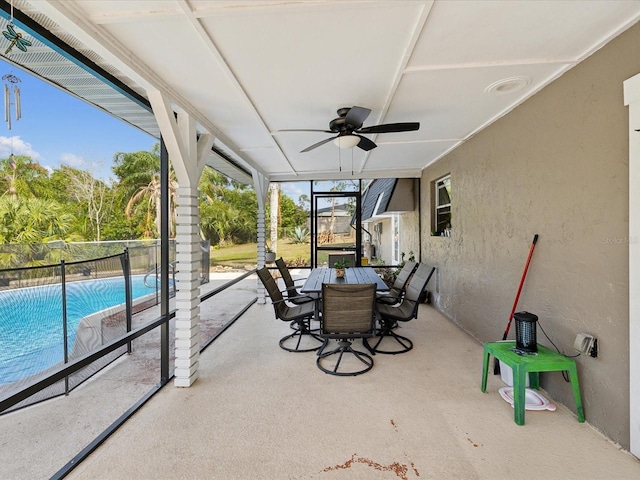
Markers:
point(557, 166)
point(410, 228)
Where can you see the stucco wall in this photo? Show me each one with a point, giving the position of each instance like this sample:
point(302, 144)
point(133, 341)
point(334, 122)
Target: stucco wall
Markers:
point(409, 237)
point(410, 231)
point(556, 166)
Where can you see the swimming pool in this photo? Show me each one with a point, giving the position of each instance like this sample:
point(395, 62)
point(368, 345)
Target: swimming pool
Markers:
point(31, 334)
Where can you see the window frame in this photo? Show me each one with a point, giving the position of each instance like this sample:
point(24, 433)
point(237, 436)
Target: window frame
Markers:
point(441, 224)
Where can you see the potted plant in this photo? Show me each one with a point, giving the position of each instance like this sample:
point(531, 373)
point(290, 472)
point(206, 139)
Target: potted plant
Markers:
point(269, 255)
point(340, 267)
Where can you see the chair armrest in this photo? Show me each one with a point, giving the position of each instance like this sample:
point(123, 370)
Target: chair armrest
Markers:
point(302, 297)
point(297, 297)
point(389, 297)
point(388, 300)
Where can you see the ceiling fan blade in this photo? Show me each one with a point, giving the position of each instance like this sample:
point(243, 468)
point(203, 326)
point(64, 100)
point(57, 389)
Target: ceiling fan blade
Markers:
point(391, 128)
point(356, 117)
point(366, 144)
point(316, 145)
point(304, 130)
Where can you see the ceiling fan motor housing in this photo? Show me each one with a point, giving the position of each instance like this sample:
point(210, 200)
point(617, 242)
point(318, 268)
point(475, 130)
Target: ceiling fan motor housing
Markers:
point(337, 125)
point(349, 124)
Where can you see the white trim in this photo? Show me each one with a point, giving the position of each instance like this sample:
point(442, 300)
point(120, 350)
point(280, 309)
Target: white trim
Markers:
point(632, 100)
point(378, 202)
point(75, 21)
point(395, 243)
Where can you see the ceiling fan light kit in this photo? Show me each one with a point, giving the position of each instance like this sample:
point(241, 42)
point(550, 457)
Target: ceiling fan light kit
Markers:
point(348, 127)
point(346, 141)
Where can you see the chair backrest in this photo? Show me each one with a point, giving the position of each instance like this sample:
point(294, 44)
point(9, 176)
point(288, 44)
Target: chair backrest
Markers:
point(284, 272)
point(403, 277)
point(418, 282)
point(348, 308)
point(272, 289)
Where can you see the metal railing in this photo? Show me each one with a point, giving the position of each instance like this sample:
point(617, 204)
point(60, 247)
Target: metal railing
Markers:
point(115, 346)
point(52, 314)
point(145, 254)
point(66, 469)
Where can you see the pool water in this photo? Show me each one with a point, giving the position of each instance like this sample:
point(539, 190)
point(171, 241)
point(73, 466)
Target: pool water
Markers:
point(31, 330)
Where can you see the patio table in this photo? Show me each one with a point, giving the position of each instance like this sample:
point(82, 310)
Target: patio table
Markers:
point(322, 275)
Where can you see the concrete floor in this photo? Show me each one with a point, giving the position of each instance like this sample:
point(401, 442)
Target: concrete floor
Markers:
point(258, 412)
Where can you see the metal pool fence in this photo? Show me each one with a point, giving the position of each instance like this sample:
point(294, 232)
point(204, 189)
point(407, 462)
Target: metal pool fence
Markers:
point(53, 314)
point(145, 255)
point(139, 376)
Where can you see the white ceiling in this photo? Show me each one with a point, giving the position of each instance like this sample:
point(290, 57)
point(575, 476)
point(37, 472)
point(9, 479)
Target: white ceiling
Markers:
point(247, 69)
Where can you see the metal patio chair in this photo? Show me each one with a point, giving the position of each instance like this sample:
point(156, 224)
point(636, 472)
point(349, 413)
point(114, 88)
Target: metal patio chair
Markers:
point(389, 316)
point(348, 313)
point(397, 290)
point(300, 314)
point(291, 290)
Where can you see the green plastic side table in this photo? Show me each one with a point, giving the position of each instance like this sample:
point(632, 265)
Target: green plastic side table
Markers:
point(544, 361)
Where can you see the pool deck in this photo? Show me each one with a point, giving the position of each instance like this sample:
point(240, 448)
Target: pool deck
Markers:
point(257, 411)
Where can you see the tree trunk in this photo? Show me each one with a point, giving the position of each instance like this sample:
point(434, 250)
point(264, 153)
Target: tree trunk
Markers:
point(332, 223)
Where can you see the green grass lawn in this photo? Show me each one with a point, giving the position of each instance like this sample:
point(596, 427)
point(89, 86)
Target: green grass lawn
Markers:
point(247, 253)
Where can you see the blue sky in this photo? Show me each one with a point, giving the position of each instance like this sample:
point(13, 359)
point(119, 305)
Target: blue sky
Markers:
point(56, 128)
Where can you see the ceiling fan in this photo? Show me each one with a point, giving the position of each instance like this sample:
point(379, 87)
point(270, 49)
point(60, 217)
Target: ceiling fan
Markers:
point(348, 127)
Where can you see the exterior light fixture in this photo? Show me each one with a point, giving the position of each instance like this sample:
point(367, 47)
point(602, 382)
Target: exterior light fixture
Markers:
point(508, 85)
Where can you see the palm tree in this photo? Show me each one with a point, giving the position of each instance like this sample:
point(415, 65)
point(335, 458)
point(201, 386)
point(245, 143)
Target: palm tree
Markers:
point(30, 221)
point(21, 177)
point(150, 196)
point(139, 174)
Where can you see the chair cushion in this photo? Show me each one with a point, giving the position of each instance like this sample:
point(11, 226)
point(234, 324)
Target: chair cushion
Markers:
point(290, 312)
point(407, 310)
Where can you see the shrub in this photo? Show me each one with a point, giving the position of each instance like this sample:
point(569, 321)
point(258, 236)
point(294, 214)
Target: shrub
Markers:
point(300, 234)
point(298, 262)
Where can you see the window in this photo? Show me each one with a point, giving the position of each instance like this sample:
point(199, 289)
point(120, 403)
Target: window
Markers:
point(441, 224)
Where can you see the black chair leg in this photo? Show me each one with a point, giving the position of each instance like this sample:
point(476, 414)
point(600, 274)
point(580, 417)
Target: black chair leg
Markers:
point(344, 347)
point(295, 326)
point(325, 342)
point(386, 331)
point(302, 331)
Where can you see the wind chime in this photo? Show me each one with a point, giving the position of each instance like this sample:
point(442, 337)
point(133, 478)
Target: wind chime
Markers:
point(11, 82)
point(11, 88)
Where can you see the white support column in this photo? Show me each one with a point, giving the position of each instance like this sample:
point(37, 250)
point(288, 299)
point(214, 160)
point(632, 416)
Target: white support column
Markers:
point(188, 257)
point(632, 100)
point(188, 158)
point(261, 186)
